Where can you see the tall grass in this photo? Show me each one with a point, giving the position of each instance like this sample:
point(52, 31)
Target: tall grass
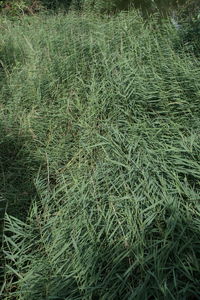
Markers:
point(107, 115)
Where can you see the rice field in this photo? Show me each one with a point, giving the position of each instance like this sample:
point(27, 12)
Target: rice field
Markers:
point(99, 159)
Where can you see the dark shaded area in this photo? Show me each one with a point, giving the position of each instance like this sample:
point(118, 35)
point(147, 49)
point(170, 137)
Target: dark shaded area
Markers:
point(17, 188)
point(147, 7)
point(53, 4)
point(189, 28)
point(16, 165)
point(19, 8)
point(16, 171)
point(10, 55)
point(62, 4)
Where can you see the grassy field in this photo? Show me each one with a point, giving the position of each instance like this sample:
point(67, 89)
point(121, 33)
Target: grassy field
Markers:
point(99, 159)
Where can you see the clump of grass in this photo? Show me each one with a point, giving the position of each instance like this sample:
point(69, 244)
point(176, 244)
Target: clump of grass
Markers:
point(111, 112)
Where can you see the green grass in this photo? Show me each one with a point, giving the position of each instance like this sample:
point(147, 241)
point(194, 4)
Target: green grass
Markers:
point(99, 153)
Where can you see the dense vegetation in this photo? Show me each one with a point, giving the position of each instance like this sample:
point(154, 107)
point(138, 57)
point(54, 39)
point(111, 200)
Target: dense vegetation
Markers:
point(99, 158)
point(32, 6)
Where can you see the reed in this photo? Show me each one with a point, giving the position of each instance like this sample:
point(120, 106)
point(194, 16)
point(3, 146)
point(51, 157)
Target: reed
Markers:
point(105, 115)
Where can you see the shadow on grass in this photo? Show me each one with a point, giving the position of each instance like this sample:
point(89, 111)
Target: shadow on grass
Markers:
point(17, 188)
point(16, 169)
point(10, 55)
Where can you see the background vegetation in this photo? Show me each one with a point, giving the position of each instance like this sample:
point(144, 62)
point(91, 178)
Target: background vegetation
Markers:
point(10, 6)
point(99, 157)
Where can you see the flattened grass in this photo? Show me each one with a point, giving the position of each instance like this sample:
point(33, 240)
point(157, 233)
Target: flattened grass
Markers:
point(111, 112)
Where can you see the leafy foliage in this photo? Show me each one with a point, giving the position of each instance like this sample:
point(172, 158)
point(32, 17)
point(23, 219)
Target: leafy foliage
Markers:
point(20, 7)
point(190, 31)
